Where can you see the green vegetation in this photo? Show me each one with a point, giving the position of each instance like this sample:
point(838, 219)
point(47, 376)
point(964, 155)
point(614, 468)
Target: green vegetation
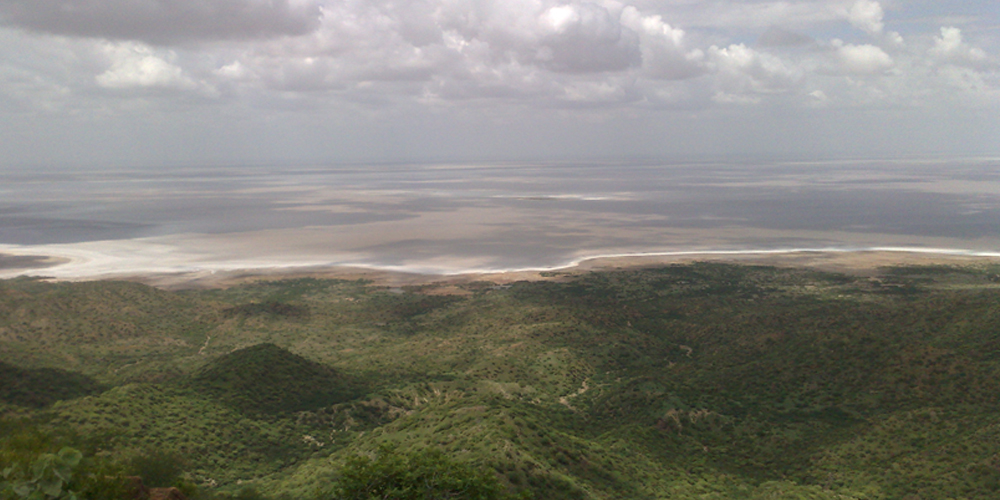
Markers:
point(40, 387)
point(703, 381)
point(428, 475)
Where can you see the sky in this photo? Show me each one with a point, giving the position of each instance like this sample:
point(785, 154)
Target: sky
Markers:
point(210, 82)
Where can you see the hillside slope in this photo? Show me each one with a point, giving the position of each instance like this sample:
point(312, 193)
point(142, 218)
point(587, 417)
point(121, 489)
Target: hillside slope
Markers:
point(695, 381)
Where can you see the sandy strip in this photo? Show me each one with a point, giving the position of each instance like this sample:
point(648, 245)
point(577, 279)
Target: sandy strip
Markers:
point(859, 262)
point(198, 261)
point(854, 261)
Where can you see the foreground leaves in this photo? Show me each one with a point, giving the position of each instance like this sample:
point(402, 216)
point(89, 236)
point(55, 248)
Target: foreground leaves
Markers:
point(47, 477)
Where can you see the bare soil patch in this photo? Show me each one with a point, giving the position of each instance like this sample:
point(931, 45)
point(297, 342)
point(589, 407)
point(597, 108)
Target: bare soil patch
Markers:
point(8, 261)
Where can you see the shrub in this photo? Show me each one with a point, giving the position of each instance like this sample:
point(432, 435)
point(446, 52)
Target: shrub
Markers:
point(414, 476)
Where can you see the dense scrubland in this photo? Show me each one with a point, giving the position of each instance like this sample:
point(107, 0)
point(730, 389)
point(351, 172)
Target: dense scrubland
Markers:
point(706, 381)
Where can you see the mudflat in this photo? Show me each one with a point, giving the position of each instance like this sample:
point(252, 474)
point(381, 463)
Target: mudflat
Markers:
point(12, 262)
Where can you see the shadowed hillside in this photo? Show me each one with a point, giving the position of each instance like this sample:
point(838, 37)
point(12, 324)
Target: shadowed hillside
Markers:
point(266, 378)
point(39, 387)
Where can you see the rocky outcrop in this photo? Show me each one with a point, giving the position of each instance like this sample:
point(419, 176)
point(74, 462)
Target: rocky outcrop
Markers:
point(166, 494)
point(139, 491)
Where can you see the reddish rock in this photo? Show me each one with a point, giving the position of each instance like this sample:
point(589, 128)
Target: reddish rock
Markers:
point(137, 490)
point(166, 494)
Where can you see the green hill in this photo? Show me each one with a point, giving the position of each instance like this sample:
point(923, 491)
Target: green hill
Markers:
point(266, 378)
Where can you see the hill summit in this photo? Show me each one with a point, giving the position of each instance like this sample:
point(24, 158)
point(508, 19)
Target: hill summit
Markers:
point(266, 378)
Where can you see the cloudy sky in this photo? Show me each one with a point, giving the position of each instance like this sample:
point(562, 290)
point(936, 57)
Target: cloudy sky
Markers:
point(164, 82)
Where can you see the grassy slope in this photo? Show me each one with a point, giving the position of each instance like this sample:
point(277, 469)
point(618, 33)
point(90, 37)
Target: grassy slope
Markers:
point(703, 381)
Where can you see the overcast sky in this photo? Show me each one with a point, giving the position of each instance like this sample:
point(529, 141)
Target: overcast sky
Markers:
point(164, 82)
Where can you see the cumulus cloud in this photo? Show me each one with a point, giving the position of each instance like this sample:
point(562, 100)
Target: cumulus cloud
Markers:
point(949, 48)
point(894, 39)
point(862, 59)
point(744, 71)
point(664, 54)
point(135, 65)
point(866, 15)
point(164, 21)
point(585, 37)
point(459, 48)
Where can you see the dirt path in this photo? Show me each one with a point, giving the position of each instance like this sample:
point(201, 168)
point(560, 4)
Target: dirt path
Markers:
point(565, 399)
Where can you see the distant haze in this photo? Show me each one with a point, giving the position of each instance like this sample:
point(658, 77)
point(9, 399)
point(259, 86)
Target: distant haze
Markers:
point(228, 82)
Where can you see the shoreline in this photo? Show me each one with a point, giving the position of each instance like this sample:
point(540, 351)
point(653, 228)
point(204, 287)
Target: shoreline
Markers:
point(862, 261)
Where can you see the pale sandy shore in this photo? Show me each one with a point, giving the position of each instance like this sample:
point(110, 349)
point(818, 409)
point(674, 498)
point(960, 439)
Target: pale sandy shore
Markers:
point(381, 254)
point(861, 262)
point(206, 263)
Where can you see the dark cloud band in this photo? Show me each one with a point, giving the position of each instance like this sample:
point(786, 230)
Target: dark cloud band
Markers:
point(163, 21)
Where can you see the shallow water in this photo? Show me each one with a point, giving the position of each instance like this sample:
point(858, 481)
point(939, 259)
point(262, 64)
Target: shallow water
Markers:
point(453, 218)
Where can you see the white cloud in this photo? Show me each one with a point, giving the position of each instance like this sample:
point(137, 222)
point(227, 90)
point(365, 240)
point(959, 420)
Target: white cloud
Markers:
point(950, 49)
point(866, 15)
point(134, 65)
point(895, 40)
point(664, 54)
point(585, 37)
point(744, 71)
point(234, 71)
point(969, 80)
point(861, 59)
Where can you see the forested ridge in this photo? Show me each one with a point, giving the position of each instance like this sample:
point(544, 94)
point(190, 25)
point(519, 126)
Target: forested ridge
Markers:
point(709, 381)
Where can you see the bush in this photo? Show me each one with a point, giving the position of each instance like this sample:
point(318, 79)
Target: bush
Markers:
point(158, 469)
point(415, 476)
